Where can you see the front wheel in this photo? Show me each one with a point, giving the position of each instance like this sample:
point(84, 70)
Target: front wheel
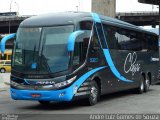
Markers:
point(2, 70)
point(94, 94)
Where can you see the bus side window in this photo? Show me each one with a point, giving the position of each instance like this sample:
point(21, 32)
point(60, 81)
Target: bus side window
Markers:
point(8, 63)
point(1, 62)
point(129, 40)
point(110, 32)
point(152, 43)
point(123, 39)
point(80, 51)
point(77, 53)
point(4, 57)
point(86, 25)
point(95, 44)
point(9, 57)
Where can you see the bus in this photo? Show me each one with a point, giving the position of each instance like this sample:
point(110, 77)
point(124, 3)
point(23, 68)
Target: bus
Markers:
point(79, 55)
point(5, 61)
point(7, 55)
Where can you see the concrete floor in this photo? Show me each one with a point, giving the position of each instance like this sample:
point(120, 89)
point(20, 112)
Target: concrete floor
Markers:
point(127, 102)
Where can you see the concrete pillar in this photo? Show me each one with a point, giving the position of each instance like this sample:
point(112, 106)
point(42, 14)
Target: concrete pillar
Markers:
point(104, 7)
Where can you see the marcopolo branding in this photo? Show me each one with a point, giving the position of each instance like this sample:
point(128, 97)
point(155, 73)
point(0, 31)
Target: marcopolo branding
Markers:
point(35, 82)
point(45, 82)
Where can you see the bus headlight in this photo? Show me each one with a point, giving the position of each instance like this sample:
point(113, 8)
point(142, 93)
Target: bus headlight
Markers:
point(64, 83)
point(14, 84)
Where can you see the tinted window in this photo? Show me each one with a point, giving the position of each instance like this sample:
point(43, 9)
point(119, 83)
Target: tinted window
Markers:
point(152, 42)
point(8, 62)
point(4, 57)
point(110, 33)
point(80, 51)
point(9, 57)
point(95, 43)
point(124, 39)
point(86, 25)
point(128, 40)
point(1, 62)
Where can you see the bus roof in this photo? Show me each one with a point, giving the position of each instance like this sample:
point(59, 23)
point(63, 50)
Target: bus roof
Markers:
point(55, 19)
point(65, 18)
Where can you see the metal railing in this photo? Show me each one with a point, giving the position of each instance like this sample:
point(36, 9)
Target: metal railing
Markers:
point(137, 13)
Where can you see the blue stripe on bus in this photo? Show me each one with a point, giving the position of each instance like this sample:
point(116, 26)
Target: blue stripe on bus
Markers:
point(55, 95)
point(98, 36)
point(96, 17)
point(106, 52)
point(105, 39)
point(112, 66)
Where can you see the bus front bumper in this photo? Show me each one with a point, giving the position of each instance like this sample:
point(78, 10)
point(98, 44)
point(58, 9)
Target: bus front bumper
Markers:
point(41, 95)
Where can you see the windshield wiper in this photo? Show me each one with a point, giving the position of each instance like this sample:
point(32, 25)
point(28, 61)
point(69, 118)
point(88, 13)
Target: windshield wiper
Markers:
point(34, 53)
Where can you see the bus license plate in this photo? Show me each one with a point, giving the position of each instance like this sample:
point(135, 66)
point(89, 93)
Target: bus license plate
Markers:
point(36, 95)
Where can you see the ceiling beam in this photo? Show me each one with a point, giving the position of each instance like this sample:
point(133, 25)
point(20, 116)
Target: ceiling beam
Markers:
point(154, 2)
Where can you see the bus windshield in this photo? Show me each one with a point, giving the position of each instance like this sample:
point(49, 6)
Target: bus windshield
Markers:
point(42, 49)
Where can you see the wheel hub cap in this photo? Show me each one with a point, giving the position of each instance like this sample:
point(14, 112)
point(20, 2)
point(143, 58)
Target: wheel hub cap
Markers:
point(94, 93)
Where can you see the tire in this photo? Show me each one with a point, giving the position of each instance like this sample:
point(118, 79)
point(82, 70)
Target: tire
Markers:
point(2, 70)
point(44, 102)
point(146, 84)
point(140, 89)
point(94, 94)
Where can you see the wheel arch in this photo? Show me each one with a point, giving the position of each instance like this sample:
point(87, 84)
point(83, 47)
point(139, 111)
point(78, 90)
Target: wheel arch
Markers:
point(149, 75)
point(2, 68)
point(97, 79)
point(143, 75)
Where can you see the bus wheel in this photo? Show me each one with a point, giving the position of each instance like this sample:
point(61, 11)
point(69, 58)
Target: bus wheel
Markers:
point(146, 85)
point(141, 86)
point(44, 102)
point(2, 70)
point(94, 94)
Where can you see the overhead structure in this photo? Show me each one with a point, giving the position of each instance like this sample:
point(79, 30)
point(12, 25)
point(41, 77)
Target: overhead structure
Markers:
point(104, 7)
point(140, 18)
point(153, 2)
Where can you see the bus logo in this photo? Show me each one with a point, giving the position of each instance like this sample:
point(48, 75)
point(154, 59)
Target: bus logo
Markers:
point(130, 64)
point(93, 60)
point(45, 82)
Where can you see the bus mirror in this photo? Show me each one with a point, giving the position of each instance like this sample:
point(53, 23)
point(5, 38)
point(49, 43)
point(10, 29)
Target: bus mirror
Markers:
point(3, 42)
point(77, 36)
point(72, 38)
